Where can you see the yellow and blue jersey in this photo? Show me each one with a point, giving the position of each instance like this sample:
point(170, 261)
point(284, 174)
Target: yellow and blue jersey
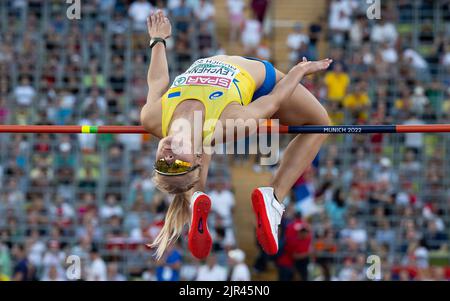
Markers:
point(216, 84)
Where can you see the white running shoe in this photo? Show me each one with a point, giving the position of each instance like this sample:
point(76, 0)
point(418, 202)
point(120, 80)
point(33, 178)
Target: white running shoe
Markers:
point(199, 239)
point(268, 212)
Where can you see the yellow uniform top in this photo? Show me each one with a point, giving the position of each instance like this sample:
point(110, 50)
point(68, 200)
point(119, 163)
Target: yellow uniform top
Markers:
point(216, 84)
point(337, 85)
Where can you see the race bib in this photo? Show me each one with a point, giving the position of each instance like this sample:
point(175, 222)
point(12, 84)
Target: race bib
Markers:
point(207, 72)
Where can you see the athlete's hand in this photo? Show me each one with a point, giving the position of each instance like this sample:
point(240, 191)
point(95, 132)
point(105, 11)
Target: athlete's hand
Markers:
point(310, 67)
point(158, 25)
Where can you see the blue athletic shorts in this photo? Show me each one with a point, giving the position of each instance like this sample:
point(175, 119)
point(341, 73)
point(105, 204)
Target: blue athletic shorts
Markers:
point(269, 82)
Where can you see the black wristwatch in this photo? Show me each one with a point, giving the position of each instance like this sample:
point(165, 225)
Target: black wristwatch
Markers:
point(154, 41)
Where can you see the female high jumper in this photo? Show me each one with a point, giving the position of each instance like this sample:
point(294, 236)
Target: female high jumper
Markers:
point(221, 88)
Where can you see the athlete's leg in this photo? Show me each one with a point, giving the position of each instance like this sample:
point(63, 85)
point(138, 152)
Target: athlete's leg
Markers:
point(301, 109)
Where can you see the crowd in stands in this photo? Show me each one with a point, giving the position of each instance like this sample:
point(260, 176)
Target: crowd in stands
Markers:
point(374, 194)
point(92, 196)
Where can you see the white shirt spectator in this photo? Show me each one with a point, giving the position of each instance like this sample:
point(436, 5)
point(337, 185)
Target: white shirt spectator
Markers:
point(35, 253)
point(223, 203)
point(53, 258)
point(356, 34)
point(99, 102)
point(417, 60)
point(108, 211)
point(139, 11)
point(446, 59)
point(357, 235)
point(205, 12)
point(389, 55)
point(295, 41)
point(340, 15)
point(97, 270)
point(240, 272)
point(419, 100)
point(24, 94)
point(251, 35)
point(216, 273)
point(414, 140)
point(236, 7)
point(421, 254)
point(67, 101)
point(67, 211)
point(382, 33)
point(188, 272)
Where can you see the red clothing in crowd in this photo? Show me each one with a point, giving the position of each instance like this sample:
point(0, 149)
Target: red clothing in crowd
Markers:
point(294, 244)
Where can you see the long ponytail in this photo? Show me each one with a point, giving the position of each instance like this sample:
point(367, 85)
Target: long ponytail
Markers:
point(177, 216)
point(179, 213)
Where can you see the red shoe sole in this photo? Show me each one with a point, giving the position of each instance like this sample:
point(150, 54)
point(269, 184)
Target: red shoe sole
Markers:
point(263, 229)
point(200, 242)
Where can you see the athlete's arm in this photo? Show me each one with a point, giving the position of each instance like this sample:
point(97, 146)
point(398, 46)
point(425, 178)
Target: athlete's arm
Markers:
point(158, 73)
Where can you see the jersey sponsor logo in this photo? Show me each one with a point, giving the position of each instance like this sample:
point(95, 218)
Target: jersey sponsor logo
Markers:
point(180, 80)
point(215, 95)
point(216, 81)
point(208, 72)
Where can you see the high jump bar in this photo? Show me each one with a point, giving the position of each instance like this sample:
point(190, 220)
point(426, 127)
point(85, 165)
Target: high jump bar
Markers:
point(281, 129)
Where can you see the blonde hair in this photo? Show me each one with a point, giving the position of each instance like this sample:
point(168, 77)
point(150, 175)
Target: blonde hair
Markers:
point(179, 212)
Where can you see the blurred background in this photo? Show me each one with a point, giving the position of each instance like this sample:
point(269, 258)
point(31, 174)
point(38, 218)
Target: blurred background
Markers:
point(92, 196)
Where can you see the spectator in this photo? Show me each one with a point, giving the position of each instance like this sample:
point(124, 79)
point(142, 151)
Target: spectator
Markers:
point(223, 202)
point(259, 8)
point(340, 20)
point(24, 93)
point(236, 17)
point(149, 273)
point(336, 208)
point(54, 257)
point(239, 271)
point(169, 268)
point(414, 141)
point(357, 102)
point(211, 271)
point(182, 15)
point(297, 42)
point(434, 238)
point(205, 13)
point(96, 270)
point(337, 82)
point(113, 272)
point(5, 263)
point(384, 32)
point(111, 208)
point(251, 35)
point(355, 237)
point(139, 11)
point(22, 270)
